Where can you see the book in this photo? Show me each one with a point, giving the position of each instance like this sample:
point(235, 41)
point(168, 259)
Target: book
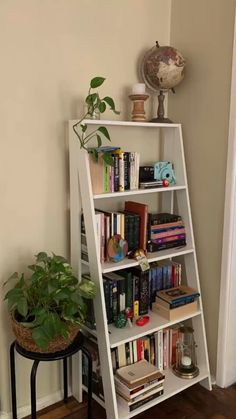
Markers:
point(137, 374)
point(98, 170)
point(135, 405)
point(131, 394)
point(176, 296)
point(141, 290)
point(142, 211)
point(155, 247)
point(177, 312)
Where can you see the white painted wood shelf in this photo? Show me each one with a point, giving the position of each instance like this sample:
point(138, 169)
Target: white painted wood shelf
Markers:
point(169, 147)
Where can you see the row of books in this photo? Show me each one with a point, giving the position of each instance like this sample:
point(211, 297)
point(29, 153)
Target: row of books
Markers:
point(151, 232)
point(136, 290)
point(137, 384)
point(134, 388)
point(158, 348)
point(122, 175)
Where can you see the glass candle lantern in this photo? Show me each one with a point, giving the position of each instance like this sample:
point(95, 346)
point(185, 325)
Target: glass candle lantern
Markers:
point(186, 363)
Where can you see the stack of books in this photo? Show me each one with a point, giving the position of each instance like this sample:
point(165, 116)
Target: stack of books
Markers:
point(138, 384)
point(165, 231)
point(175, 302)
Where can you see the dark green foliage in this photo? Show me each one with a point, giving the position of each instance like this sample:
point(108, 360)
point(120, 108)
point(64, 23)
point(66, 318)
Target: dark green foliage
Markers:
point(50, 299)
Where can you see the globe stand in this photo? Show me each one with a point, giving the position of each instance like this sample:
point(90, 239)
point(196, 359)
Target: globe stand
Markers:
point(160, 111)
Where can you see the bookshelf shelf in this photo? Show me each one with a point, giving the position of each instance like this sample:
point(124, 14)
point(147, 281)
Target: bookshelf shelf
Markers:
point(172, 386)
point(152, 257)
point(166, 141)
point(139, 192)
point(119, 336)
point(126, 123)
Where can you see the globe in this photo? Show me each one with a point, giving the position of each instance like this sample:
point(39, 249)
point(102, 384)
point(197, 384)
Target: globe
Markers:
point(162, 69)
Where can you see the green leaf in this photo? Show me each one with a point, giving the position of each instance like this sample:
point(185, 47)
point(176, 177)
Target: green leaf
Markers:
point(84, 127)
point(22, 307)
point(104, 131)
point(70, 310)
point(96, 82)
point(40, 337)
point(41, 257)
point(99, 140)
point(14, 294)
point(102, 107)
point(108, 159)
point(91, 99)
point(87, 289)
point(111, 103)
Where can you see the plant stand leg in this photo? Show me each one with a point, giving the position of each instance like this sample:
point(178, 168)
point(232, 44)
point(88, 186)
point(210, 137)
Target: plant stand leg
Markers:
point(65, 380)
point(33, 388)
point(13, 380)
point(90, 371)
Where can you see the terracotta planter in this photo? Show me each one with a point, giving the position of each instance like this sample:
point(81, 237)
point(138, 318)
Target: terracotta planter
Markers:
point(24, 338)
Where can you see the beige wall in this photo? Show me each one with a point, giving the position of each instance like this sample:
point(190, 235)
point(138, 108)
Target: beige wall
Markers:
point(50, 49)
point(203, 31)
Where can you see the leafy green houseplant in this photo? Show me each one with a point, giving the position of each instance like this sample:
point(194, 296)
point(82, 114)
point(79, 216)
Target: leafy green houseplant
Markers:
point(95, 104)
point(50, 305)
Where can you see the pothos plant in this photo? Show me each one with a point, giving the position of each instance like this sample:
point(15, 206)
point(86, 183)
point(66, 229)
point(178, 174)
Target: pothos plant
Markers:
point(95, 104)
point(50, 299)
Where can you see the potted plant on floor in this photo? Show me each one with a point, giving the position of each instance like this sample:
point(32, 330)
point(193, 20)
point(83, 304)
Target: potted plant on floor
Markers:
point(48, 308)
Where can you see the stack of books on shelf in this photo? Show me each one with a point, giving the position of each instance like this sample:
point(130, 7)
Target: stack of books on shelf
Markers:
point(165, 231)
point(137, 384)
point(121, 176)
point(176, 302)
point(158, 348)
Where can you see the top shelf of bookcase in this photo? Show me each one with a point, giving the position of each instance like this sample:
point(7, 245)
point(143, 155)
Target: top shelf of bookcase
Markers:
point(126, 123)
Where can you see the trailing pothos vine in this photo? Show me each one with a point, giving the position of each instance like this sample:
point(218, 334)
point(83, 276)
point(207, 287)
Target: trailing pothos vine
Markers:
point(95, 104)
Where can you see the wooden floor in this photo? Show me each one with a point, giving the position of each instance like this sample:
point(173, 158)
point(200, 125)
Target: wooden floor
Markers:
point(193, 403)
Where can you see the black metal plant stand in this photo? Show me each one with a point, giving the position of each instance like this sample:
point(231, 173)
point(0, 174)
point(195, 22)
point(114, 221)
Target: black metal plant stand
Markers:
point(77, 345)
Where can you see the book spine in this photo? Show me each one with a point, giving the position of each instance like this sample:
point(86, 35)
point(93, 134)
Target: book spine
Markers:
point(126, 171)
point(143, 293)
point(129, 290)
point(170, 239)
point(106, 177)
point(167, 233)
point(165, 218)
point(132, 171)
point(146, 400)
point(121, 172)
point(155, 247)
point(116, 172)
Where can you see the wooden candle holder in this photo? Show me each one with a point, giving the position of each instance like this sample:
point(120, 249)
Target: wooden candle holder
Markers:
point(138, 112)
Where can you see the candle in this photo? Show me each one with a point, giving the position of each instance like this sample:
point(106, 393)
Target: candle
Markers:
point(186, 361)
point(138, 89)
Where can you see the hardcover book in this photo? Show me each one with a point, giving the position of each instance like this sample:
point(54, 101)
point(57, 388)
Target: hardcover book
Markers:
point(177, 294)
point(139, 373)
point(142, 211)
point(175, 313)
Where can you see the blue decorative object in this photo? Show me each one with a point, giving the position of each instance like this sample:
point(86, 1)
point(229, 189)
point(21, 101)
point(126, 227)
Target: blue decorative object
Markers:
point(164, 170)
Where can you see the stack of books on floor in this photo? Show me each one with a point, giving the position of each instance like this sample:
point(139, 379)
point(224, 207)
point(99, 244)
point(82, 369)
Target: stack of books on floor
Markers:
point(138, 384)
point(175, 302)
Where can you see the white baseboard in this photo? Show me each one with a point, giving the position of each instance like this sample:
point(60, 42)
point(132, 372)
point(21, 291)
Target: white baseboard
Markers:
point(41, 404)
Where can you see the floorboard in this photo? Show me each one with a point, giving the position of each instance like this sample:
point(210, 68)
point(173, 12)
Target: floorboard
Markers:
point(194, 403)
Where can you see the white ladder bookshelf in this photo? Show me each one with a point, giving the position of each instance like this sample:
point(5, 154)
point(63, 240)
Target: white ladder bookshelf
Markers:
point(169, 147)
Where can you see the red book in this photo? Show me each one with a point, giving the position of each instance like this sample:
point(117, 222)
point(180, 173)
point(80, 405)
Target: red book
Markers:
point(142, 211)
